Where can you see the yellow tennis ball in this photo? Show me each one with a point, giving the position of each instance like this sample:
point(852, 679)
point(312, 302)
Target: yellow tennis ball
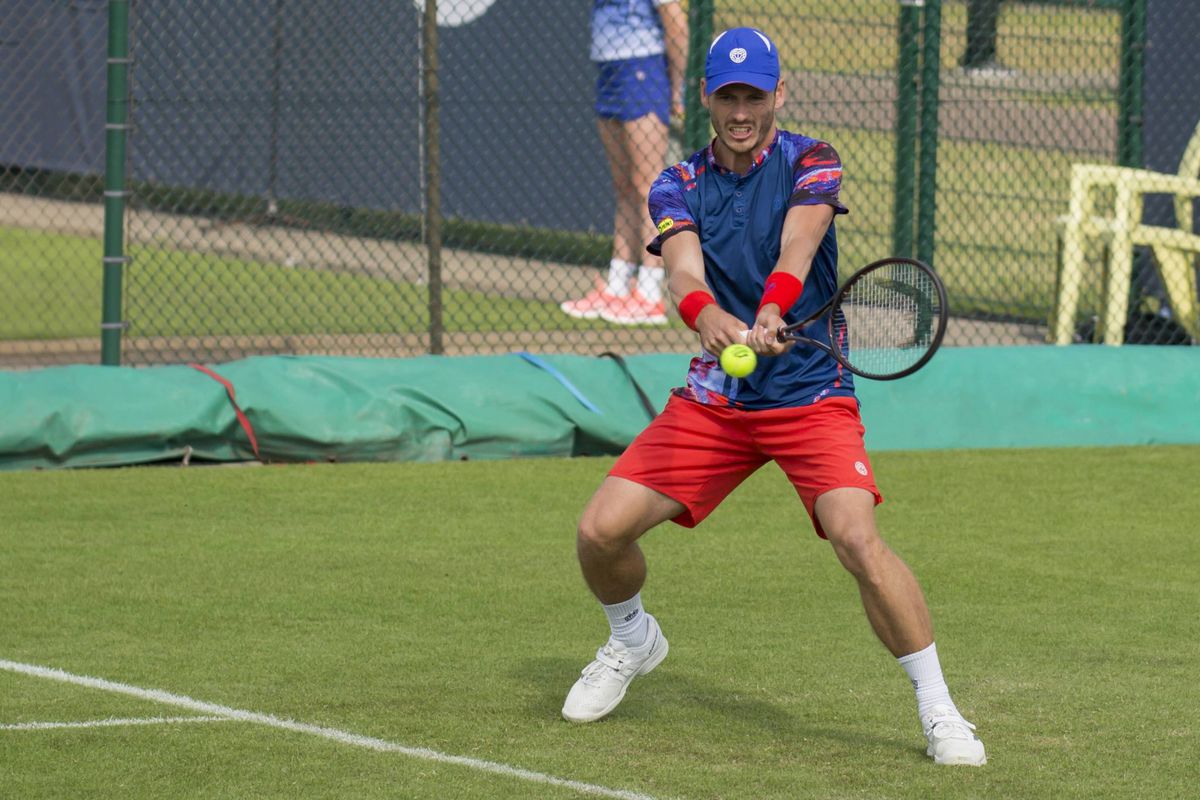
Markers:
point(738, 360)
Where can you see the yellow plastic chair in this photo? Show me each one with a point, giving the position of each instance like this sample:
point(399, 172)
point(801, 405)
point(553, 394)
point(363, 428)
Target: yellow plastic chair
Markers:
point(1121, 229)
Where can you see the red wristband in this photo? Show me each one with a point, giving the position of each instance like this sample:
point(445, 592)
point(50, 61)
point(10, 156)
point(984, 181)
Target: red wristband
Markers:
point(691, 306)
point(783, 289)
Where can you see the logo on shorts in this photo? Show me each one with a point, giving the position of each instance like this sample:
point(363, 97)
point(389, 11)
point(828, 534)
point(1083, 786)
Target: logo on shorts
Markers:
point(737, 55)
point(666, 225)
point(860, 468)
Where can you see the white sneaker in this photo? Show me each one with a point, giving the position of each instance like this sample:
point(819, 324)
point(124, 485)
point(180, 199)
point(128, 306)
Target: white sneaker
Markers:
point(952, 739)
point(602, 685)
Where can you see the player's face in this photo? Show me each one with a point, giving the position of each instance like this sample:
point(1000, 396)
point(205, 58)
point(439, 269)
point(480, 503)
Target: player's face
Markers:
point(743, 118)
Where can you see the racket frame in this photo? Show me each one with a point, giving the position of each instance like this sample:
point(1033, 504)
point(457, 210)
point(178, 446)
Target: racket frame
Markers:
point(792, 332)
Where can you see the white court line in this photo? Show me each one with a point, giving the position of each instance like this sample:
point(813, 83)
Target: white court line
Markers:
point(344, 737)
point(106, 723)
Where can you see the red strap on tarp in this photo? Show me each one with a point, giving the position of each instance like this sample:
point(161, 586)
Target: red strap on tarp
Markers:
point(241, 417)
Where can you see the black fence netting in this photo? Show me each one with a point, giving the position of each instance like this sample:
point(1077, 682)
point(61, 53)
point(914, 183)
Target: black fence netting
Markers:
point(208, 180)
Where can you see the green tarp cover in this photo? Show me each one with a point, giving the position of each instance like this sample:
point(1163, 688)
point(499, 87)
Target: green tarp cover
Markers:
point(316, 408)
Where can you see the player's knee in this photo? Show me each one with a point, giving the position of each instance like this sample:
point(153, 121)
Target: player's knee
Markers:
point(859, 548)
point(598, 534)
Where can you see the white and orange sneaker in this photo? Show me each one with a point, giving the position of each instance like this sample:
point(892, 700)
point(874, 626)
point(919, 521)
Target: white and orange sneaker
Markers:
point(592, 305)
point(635, 310)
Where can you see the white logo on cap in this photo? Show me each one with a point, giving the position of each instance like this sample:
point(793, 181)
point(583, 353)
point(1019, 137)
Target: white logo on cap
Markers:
point(737, 55)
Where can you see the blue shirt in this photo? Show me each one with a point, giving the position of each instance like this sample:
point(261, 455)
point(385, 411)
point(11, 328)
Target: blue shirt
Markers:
point(625, 29)
point(739, 219)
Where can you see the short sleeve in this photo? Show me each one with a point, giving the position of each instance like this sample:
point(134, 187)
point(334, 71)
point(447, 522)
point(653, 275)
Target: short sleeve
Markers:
point(668, 210)
point(817, 178)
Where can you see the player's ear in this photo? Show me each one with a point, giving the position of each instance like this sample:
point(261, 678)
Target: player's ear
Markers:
point(780, 94)
point(704, 92)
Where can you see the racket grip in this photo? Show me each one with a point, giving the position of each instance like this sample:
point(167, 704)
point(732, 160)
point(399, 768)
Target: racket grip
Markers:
point(779, 335)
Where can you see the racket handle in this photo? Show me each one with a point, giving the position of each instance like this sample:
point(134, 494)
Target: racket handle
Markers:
point(779, 335)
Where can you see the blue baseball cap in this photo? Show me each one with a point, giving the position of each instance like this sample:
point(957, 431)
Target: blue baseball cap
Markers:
point(742, 55)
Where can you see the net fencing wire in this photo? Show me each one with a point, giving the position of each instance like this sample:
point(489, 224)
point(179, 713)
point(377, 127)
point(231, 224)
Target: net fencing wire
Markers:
point(279, 170)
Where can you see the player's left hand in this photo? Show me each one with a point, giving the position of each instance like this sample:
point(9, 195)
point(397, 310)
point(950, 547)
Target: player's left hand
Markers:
point(762, 337)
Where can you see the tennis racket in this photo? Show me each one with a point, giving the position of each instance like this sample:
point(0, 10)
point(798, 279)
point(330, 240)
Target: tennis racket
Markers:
point(886, 321)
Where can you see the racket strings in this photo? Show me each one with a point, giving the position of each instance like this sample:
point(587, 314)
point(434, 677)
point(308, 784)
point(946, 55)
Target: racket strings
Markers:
point(888, 319)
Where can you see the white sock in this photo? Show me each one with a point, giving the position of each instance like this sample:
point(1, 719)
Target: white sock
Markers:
point(620, 273)
point(628, 621)
point(925, 672)
point(650, 281)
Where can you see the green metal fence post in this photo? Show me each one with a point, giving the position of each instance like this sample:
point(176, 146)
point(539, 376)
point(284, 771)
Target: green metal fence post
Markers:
point(1131, 80)
point(930, 85)
point(906, 127)
point(433, 175)
point(115, 132)
point(700, 33)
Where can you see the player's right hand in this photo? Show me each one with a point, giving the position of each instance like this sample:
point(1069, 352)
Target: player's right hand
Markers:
point(718, 329)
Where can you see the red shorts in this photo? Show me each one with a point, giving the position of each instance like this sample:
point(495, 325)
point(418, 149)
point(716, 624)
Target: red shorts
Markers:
point(697, 454)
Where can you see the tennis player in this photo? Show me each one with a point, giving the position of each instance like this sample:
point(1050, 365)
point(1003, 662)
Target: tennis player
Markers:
point(745, 228)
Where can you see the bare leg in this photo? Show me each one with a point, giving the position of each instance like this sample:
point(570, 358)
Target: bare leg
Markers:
point(617, 515)
point(616, 147)
point(613, 565)
point(891, 596)
point(636, 152)
point(645, 141)
point(896, 609)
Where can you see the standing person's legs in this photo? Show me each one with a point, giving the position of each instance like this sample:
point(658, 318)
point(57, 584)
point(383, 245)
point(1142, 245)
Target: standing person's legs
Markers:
point(644, 141)
point(615, 136)
point(633, 110)
point(639, 148)
point(617, 284)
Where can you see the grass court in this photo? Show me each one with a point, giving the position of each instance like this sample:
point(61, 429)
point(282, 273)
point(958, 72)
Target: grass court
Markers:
point(410, 630)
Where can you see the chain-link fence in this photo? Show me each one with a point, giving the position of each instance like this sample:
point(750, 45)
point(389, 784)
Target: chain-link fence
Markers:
point(310, 177)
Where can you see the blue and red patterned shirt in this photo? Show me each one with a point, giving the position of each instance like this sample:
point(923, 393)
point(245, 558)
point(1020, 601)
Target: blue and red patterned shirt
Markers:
point(739, 219)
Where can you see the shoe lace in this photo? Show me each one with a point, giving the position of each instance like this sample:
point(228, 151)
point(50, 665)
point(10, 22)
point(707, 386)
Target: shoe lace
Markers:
point(950, 725)
point(607, 658)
